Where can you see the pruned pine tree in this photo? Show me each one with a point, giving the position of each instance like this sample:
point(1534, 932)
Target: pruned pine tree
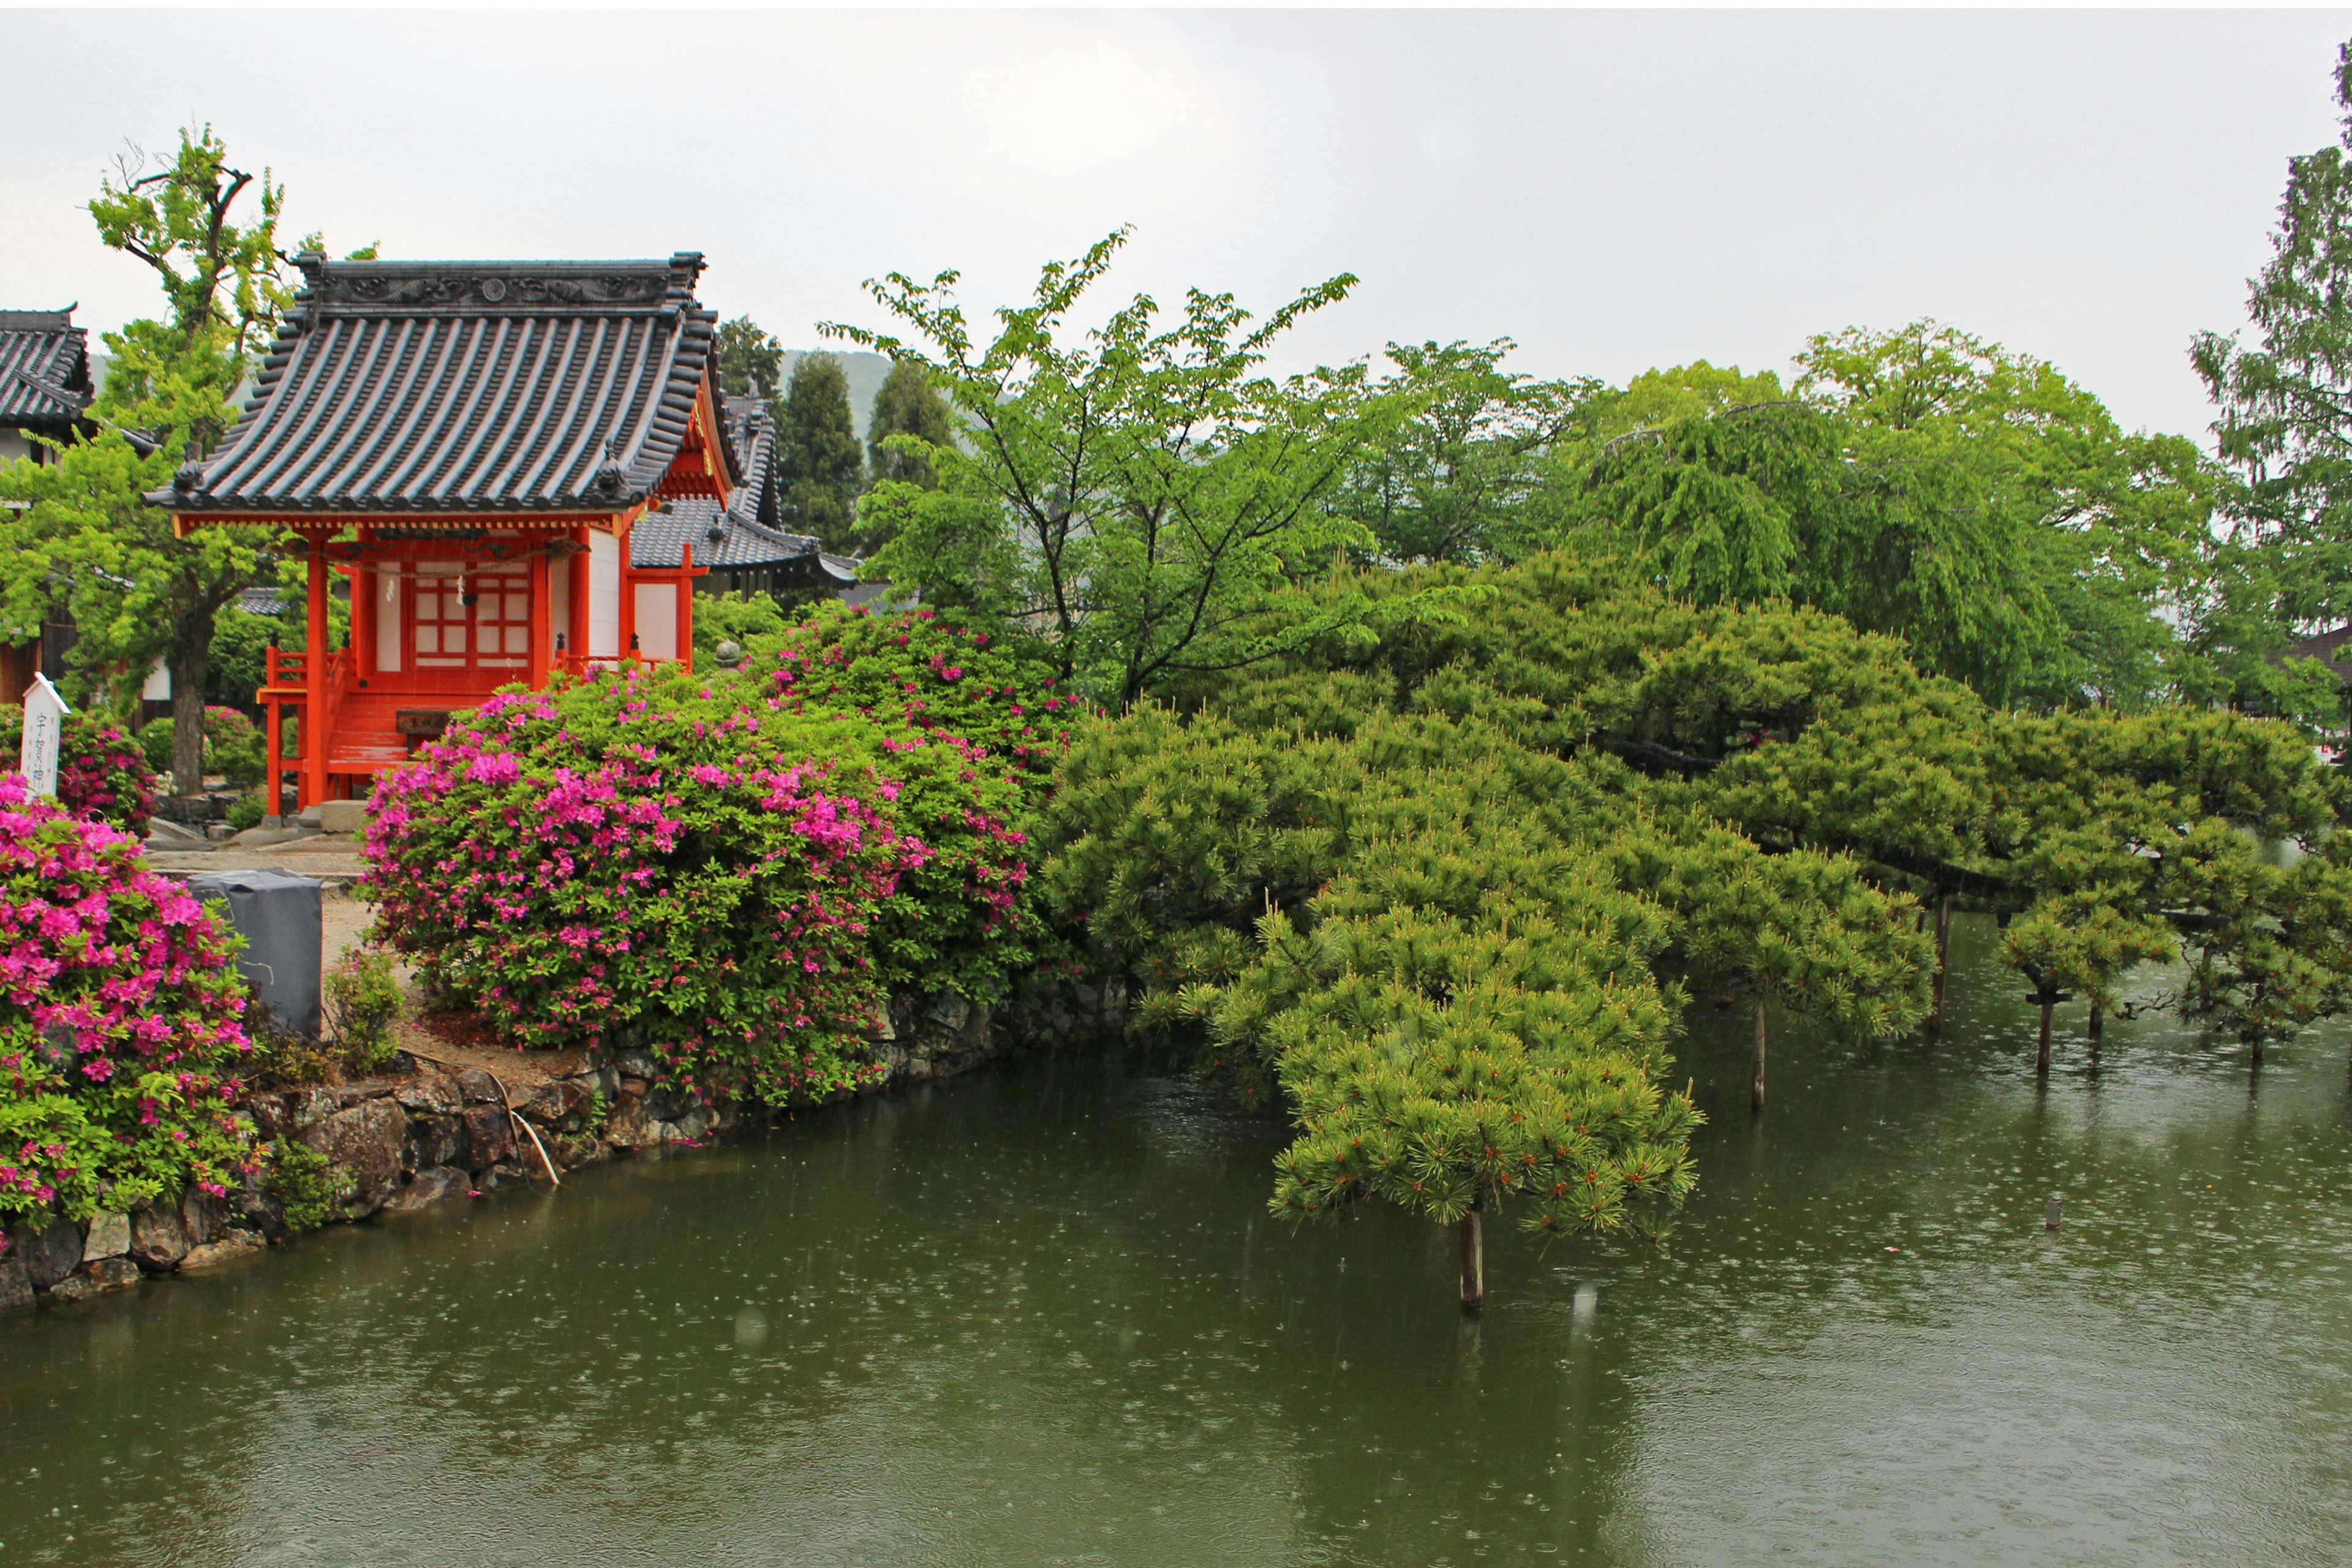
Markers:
point(1423, 892)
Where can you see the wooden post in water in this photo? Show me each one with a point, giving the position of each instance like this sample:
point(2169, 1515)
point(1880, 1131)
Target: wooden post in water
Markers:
point(1756, 1094)
point(1943, 960)
point(1473, 1259)
point(2041, 1062)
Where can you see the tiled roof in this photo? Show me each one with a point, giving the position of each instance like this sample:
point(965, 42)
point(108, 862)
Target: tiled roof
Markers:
point(467, 387)
point(745, 536)
point(43, 370)
point(2333, 649)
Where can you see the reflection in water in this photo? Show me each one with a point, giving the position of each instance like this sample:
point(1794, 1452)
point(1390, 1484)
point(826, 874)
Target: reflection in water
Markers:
point(1041, 1316)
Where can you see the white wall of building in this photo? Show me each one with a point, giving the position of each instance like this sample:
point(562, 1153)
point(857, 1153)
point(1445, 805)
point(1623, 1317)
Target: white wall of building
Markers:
point(604, 596)
point(657, 620)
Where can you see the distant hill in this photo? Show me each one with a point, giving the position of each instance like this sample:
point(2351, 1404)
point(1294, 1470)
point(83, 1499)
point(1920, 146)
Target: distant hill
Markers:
point(865, 371)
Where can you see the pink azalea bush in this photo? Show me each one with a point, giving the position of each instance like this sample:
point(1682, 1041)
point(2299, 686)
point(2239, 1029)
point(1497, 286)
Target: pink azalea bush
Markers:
point(716, 864)
point(101, 772)
point(920, 670)
point(121, 1022)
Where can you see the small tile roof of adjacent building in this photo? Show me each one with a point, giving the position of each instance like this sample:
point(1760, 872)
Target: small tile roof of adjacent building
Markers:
point(469, 387)
point(44, 371)
point(744, 536)
point(2333, 649)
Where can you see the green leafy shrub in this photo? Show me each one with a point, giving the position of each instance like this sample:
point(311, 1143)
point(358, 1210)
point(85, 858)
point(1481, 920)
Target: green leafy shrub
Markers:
point(362, 998)
point(304, 1182)
point(247, 811)
point(233, 745)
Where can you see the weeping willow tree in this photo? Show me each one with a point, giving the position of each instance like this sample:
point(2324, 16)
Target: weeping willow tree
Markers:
point(1440, 888)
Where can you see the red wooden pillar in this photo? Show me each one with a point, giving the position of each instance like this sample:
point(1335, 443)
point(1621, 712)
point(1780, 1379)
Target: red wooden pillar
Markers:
point(314, 678)
point(542, 619)
point(275, 742)
point(576, 634)
point(685, 611)
point(628, 598)
point(363, 612)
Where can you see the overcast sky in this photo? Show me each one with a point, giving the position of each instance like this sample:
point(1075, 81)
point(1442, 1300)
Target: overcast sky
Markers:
point(1613, 190)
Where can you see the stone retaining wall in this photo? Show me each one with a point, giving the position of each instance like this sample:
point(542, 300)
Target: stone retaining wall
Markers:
point(426, 1136)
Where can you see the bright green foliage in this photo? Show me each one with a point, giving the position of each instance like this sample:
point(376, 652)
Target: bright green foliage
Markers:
point(303, 1182)
point(2283, 425)
point(1131, 498)
point(137, 592)
point(906, 408)
point(1454, 478)
point(818, 469)
point(733, 617)
point(1923, 483)
point(361, 998)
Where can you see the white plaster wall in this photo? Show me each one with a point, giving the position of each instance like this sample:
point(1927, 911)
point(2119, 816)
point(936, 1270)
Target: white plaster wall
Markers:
point(658, 619)
point(159, 684)
point(559, 603)
point(386, 581)
point(604, 596)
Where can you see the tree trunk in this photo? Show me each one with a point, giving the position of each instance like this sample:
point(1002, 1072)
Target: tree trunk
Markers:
point(189, 664)
point(2098, 1022)
point(1473, 1258)
point(1943, 960)
point(1756, 1092)
point(2041, 1062)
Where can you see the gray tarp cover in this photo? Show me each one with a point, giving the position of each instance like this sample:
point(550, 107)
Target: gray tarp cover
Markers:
point(278, 913)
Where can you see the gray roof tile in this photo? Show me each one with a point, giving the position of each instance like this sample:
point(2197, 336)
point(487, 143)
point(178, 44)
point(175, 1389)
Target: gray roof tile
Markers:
point(467, 387)
point(43, 370)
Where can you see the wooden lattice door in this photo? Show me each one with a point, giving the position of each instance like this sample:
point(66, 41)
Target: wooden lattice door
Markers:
point(474, 619)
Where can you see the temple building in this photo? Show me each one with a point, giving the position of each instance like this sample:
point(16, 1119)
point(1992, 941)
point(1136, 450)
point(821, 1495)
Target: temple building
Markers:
point(520, 467)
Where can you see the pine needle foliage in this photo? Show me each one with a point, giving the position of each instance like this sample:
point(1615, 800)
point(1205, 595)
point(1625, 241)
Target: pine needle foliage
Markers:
point(1441, 887)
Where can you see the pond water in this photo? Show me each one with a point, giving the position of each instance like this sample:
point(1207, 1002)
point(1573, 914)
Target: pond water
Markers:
point(1040, 1316)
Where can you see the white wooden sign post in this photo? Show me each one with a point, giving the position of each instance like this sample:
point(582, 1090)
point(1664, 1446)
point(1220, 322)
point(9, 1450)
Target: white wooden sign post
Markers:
point(45, 715)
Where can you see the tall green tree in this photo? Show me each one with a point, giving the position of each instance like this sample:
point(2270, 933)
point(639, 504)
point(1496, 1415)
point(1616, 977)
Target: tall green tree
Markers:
point(819, 469)
point(1138, 490)
point(1453, 478)
point(751, 360)
point(1925, 483)
point(86, 532)
point(2286, 422)
point(907, 406)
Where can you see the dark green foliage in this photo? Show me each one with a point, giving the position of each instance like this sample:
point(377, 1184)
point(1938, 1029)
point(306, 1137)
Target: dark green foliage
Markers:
point(2284, 425)
point(303, 1182)
point(751, 360)
point(362, 998)
point(238, 666)
point(907, 406)
point(818, 465)
point(1436, 891)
